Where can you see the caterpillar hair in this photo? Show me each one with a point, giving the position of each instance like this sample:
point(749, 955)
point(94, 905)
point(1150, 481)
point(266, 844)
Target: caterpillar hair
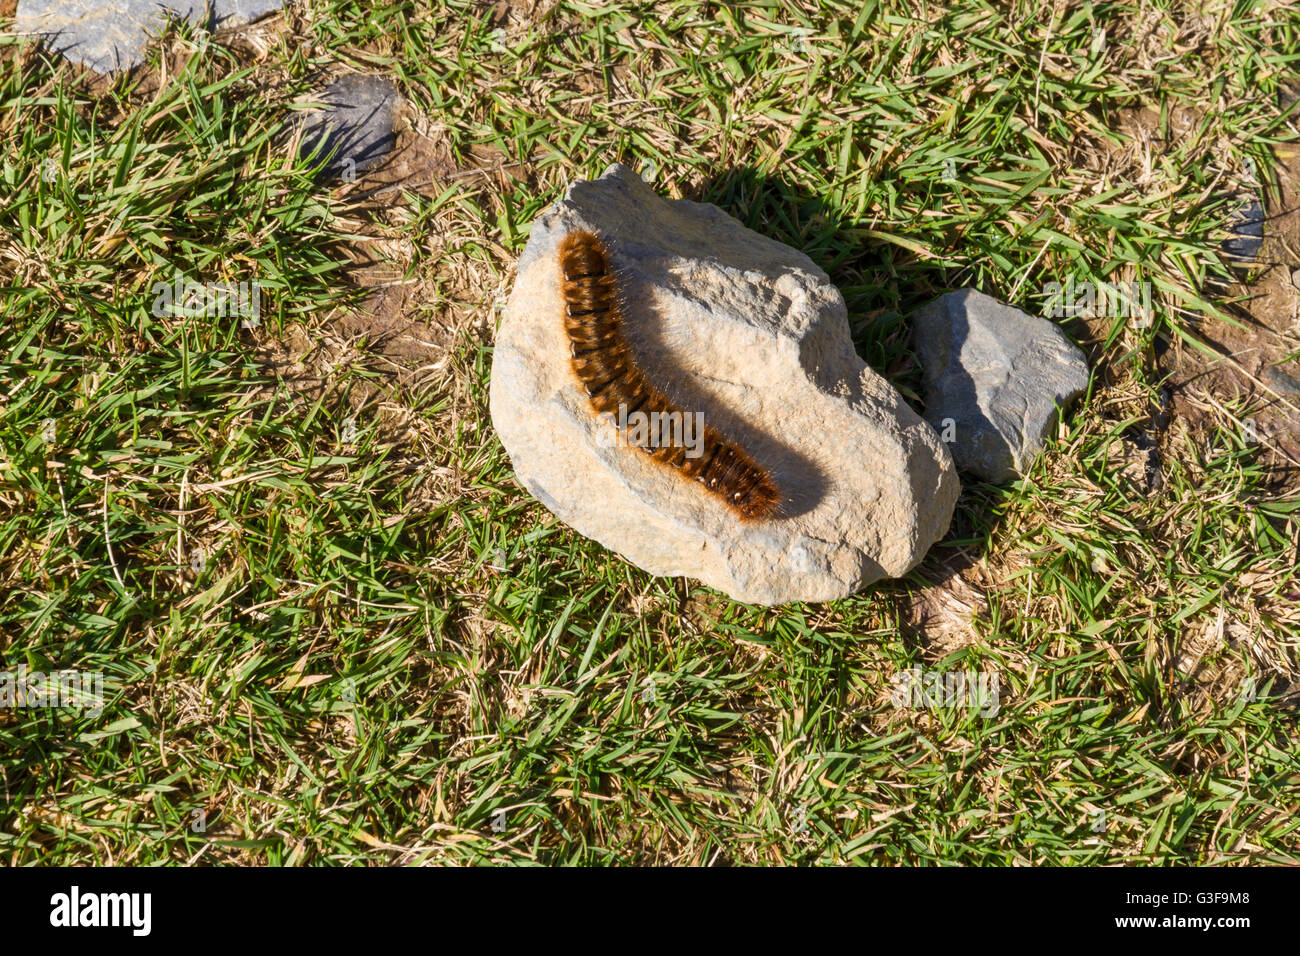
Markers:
point(593, 320)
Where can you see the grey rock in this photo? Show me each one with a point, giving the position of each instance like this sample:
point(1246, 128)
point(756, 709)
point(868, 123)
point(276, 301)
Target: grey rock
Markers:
point(753, 335)
point(994, 377)
point(1283, 381)
point(112, 36)
point(1247, 225)
point(1288, 94)
point(355, 129)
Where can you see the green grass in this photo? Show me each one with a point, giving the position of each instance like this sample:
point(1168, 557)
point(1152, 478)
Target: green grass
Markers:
point(323, 647)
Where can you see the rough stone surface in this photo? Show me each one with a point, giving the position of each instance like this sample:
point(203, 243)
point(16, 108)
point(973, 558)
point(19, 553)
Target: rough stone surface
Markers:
point(994, 377)
point(112, 36)
point(1247, 225)
point(355, 129)
point(752, 334)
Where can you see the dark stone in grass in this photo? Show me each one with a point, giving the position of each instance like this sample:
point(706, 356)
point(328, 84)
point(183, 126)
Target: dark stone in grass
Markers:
point(112, 36)
point(994, 377)
point(355, 129)
point(1247, 225)
point(1285, 383)
point(1288, 94)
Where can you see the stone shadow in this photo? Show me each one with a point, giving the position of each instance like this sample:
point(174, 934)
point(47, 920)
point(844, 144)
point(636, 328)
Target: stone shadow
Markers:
point(883, 285)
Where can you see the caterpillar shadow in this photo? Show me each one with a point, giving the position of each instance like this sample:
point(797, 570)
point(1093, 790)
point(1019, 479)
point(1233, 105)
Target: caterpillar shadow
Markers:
point(802, 483)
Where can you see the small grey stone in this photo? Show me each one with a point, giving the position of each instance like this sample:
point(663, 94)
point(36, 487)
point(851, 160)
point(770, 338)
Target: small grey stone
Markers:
point(753, 335)
point(112, 36)
point(994, 377)
point(1247, 224)
point(1286, 383)
point(1288, 94)
point(356, 127)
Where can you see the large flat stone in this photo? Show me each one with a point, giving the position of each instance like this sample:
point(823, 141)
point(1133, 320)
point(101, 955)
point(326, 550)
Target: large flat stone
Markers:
point(753, 334)
point(112, 36)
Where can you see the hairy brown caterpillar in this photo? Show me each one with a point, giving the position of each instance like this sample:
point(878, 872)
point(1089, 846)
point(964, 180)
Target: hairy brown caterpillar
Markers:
point(615, 382)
